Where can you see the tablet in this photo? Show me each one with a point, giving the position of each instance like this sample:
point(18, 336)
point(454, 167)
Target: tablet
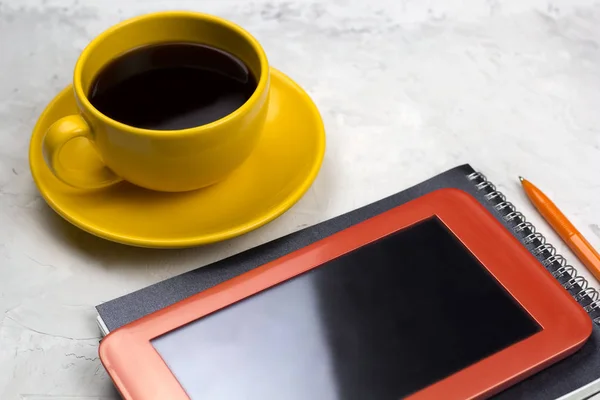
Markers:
point(432, 299)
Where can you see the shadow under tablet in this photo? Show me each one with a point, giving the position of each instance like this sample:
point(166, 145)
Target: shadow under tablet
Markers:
point(380, 322)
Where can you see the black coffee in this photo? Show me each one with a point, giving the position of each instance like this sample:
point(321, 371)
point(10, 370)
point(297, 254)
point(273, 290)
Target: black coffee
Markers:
point(172, 86)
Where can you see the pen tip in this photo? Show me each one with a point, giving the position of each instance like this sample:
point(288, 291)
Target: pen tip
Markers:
point(521, 178)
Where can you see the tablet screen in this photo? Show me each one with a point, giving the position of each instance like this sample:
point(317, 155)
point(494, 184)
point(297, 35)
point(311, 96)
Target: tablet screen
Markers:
point(380, 322)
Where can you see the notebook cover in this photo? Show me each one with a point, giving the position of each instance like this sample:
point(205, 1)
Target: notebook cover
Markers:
point(579, 369)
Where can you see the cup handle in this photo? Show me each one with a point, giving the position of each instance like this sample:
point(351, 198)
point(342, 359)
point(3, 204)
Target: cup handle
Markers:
point(61, 132)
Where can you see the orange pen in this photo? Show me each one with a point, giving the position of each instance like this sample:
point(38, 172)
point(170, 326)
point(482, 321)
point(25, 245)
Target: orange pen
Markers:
point(565, 229)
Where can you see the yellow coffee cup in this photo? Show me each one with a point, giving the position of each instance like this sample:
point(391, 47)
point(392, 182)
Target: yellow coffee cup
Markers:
point(164, 160)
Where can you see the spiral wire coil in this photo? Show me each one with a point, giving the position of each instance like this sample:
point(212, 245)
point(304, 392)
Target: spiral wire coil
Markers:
point(556, 264)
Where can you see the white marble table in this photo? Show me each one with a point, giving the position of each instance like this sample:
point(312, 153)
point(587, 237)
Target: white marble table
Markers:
point(407, 89)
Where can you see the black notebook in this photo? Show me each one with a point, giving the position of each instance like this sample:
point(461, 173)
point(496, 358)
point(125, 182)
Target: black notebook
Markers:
point(578, 370)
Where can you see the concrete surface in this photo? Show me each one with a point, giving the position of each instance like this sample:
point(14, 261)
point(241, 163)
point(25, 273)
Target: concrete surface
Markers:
point(407, 89)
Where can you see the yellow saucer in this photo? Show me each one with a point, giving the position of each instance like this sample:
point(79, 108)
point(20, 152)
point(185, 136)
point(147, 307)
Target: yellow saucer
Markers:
point(279, 171)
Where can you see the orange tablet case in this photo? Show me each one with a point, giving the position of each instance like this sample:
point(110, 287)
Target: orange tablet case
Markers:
point(139, 372)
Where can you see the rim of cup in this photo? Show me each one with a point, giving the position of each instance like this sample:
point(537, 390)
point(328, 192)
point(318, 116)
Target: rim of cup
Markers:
point(241, 111)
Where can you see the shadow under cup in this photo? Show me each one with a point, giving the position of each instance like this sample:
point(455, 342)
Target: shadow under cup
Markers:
point(185, 159)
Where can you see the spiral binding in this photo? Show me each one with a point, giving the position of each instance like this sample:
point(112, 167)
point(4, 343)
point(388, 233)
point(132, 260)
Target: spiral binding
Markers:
point(556, 264)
